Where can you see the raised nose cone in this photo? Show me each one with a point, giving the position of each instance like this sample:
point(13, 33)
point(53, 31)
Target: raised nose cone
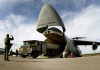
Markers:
point(48, 17)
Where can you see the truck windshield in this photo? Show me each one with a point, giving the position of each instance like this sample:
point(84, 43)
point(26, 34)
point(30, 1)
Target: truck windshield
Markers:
point(26, 43)
point(32, 42)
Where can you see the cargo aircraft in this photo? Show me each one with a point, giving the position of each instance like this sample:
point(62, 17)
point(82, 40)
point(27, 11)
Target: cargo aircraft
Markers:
point(49, 17)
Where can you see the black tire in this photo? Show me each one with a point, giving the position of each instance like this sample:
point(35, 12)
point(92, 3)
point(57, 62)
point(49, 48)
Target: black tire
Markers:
point(23, 56)
point(81, 56)
point(35, 54)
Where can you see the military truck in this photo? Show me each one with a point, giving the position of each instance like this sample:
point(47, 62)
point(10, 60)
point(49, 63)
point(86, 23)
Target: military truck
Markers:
point(35, 48)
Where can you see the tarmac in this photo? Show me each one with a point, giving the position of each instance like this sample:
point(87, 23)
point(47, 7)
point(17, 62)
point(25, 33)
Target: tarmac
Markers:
point(79, 63)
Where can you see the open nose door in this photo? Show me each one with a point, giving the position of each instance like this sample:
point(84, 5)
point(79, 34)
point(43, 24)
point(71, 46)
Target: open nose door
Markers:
point(48, 17)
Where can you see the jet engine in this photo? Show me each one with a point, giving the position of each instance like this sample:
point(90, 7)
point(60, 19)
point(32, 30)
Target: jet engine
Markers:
point(94, 46)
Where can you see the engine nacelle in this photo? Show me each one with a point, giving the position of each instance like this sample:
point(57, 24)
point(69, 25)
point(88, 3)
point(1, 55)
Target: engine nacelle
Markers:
point(94, 46)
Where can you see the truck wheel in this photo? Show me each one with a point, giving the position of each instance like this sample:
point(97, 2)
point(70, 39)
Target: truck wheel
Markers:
point(23, 56)
point(34, 54)
point(81, 56)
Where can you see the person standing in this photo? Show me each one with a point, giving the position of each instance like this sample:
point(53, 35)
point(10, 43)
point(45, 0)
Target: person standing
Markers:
point(7, 46)
point(16, 52)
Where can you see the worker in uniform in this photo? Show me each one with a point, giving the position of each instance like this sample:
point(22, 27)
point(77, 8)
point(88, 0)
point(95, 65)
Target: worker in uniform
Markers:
point(16, 52)
point(7, 46)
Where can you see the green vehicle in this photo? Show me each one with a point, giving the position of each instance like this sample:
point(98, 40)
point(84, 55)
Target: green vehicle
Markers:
point(35, 48)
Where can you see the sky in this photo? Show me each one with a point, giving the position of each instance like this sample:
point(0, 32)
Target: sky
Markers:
point(19, 18)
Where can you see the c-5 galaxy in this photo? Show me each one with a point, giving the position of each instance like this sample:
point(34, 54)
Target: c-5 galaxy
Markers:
point(47, 21)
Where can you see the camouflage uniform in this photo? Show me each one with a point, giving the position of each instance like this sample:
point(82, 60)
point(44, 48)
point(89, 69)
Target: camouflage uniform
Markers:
point(7, 47)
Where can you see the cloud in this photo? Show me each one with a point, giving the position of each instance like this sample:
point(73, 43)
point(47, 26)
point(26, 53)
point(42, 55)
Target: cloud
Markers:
point(85, 23)
point(79, 3)
point(64, 2)
point(20, 28)
point(50, 1)
point(4, 4)
point(13, 6)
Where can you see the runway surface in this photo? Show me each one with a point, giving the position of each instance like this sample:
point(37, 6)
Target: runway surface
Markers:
point(82, 63)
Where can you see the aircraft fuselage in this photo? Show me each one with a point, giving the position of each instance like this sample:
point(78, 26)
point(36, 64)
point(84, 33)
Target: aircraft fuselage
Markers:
point(49, 17)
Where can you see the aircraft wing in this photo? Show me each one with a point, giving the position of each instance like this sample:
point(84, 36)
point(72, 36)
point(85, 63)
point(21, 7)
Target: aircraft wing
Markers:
point(80, 42)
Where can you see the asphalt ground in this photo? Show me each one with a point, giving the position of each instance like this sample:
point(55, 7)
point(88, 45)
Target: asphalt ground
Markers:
point(80, 63)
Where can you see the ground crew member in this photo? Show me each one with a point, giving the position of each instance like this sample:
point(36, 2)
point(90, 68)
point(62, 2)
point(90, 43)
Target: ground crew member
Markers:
point(16, 52)
point(7, 46)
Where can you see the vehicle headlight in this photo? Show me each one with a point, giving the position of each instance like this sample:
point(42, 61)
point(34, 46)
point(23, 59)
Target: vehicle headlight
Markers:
point(21, 49)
